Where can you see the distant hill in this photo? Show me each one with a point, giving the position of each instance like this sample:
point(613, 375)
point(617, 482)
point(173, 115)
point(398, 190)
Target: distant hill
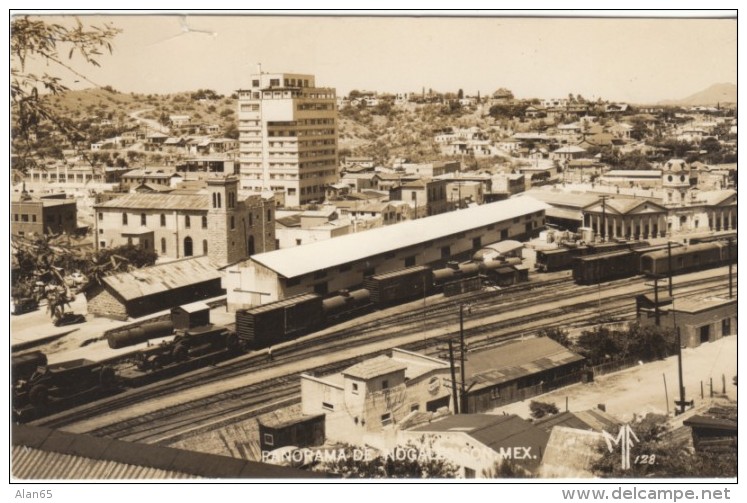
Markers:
point(717, 93)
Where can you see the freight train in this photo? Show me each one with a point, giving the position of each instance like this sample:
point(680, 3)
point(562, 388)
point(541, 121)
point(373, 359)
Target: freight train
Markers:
point(40, 388)
point(286, 319)
point(562, 258)
point(652, 261)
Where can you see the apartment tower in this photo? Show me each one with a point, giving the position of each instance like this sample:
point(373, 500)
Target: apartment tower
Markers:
point(288, 137)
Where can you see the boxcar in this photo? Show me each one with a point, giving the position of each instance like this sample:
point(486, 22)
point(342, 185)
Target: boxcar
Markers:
point(268, 324)
point(397, 286)
point(605, 267)
point(555, 260)
point(686, 258)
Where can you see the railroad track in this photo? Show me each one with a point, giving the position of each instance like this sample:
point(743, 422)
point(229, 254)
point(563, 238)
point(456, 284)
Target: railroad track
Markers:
point(168, 423)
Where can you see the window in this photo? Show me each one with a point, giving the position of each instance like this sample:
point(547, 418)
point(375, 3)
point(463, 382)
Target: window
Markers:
point(163, 220)
point(327, 406)
point(233, 223)
point(187, 223)
point(24, 217)
point(188, 252)
point(204, 247)
point(163, 246)
point(386, 418)
point(269, 439)
point(413, 195)
point(705, 333)
point(15, 217)
point(445, 252)
point(355, 388)
point(269, 215)
point(345, 267)
point(726, 326)
point(320, 274)
point(101, 216)
point(124, 218)
point(255, 83)
point(476, 243)
point(384, 384)
point(143, 220)
point(410, 261)
point(204, 222)
point(504, 234)
point(298, 241)
point(274, 82)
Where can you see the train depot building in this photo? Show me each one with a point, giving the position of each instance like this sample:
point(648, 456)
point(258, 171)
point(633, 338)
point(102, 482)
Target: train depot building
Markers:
point(699, 320)
point(344, 262)
point(366, 403)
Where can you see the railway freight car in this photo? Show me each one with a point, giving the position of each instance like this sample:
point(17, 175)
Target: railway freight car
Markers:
point(605, 267)
point(346, 305)
point(398, 286)
point(563, 258)
point(23, 366)
point(61, 385)
point(268, 324)
point(688, 258)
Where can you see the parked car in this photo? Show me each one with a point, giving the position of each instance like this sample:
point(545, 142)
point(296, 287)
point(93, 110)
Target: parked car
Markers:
point(69, 319)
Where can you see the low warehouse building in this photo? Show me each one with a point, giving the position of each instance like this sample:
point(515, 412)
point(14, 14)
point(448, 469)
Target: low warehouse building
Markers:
point(344, 262)
point(699, 320)
point(519, 370)
point(152, 289)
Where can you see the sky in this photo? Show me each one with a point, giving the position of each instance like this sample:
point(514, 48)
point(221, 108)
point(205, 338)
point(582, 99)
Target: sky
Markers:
point(636, 60)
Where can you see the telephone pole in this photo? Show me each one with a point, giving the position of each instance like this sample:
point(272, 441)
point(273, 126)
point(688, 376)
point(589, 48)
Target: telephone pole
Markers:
point(604, 217)
point(463, 396)
point(453, 378)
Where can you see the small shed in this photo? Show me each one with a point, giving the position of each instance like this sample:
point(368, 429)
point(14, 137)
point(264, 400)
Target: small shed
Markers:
point(304, 431)
point(196, 314)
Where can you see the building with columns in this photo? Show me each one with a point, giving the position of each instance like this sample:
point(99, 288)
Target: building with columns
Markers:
point(215, 220)
point(626, 218)
point(288, 137)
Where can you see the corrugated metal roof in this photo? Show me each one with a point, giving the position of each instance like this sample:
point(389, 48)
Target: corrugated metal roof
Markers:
point(374, 367)
point(593, 419)
point(160, 278)
point(44, 454)
point(145, 201)
point(290, 301)
point(570, 453)
point(31, 463)
point(299, 260)
point(516, 359)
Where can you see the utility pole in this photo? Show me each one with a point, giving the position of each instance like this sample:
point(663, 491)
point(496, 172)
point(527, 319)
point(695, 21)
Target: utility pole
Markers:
point(731, 279)
point(463, 403)
point(681, 402)
point(669, 265)
point(604, 217)
point(453, 378)
point(656, 300)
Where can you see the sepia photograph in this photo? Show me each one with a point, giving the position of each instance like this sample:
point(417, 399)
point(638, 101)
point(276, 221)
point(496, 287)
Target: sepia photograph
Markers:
point(299, 247)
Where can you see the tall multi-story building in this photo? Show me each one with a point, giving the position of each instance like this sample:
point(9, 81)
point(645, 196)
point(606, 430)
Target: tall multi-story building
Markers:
point(288, 136)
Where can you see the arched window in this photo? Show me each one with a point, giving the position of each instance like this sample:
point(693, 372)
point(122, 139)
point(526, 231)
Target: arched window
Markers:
point(188, 252)
point(233, 223)
point(163, 220)
point(219, 201)
point(204, 222)
point(163, 246)
point(204, 247)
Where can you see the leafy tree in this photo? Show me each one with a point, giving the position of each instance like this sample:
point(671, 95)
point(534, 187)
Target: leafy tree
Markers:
point(541, 409)
point(557, 334)
point(32, 39)
point(460, 94)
